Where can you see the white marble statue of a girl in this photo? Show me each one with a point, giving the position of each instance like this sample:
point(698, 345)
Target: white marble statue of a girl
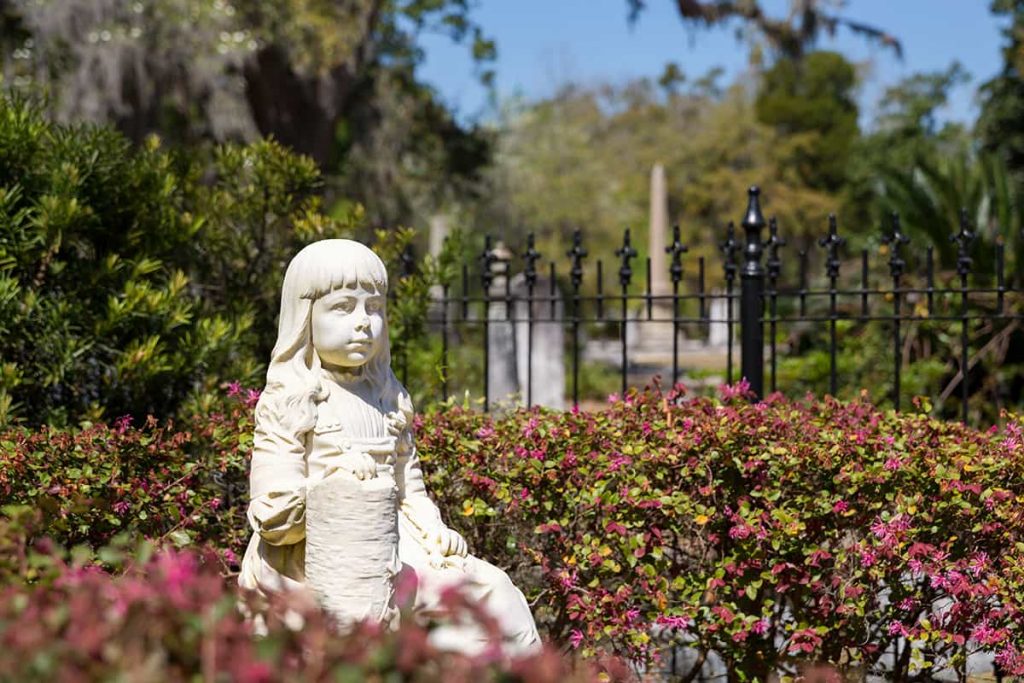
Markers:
point(333, 418)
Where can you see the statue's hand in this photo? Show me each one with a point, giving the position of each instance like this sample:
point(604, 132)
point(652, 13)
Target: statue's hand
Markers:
point(362, 465)
point(396, 423)
point(449, 542)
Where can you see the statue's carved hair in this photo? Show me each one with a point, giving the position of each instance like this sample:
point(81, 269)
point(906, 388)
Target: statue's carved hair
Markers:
point(287, 406)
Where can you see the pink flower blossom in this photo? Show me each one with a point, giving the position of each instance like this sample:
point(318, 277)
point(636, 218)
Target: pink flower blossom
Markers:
point(738, 390)
point(1009, 659)
point(575, 638)
point(122, 424)
point(177, 570)
point(900, 523)
point(984, 634)
point(761, 627)
point(121, 507)
point(252, 397)
point(898, 629)
point(840, 507)
point(1015, 436)
point(979, 563)
point(618, 461)
point(907, 604)
point(234, 388)
point(879, 529)
point(672, 622)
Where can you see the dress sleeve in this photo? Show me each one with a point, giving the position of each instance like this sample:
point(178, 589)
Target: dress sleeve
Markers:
point(412, 493)
point(277, 485)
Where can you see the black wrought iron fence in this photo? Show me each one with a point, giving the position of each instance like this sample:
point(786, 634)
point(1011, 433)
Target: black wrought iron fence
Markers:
point(976, 312)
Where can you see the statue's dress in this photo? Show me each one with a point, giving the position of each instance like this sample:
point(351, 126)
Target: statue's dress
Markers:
point(352, 417)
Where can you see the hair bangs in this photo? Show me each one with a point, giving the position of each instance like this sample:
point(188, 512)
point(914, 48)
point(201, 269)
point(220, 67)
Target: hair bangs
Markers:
point(339, 264)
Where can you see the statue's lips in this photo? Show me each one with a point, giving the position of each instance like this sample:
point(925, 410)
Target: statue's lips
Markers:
point(359, 344)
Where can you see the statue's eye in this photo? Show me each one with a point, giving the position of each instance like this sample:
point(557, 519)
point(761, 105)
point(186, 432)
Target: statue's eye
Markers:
point(346, 305)
point(374, 306)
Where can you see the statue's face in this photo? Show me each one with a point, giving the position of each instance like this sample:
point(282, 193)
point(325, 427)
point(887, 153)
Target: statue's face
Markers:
point(348, 326)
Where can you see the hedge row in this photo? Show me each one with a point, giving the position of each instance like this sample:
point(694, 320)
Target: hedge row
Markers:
point(772, 534)
point(172, 617)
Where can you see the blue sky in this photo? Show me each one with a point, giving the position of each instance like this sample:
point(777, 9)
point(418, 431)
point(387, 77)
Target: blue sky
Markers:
point(543, 44)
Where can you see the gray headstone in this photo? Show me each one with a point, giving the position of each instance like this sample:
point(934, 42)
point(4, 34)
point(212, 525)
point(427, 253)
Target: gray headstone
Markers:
point(543, 342)
point(502, 376)
point(520, 351)
point(718, 332)
point(438, 231)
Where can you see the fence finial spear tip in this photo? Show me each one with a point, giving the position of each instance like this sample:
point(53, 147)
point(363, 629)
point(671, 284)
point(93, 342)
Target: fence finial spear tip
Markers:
point(754, 220)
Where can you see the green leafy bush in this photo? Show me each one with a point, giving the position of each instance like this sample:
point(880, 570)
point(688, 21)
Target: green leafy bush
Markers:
point(180, 484)
point(133, 280)
point(770, 534)
point(170, 617)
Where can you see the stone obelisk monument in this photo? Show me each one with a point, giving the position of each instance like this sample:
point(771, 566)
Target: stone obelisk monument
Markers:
point(654, 340)
point(657, 238)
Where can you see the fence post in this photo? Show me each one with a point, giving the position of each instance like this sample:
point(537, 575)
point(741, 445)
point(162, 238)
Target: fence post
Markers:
point(752, 297)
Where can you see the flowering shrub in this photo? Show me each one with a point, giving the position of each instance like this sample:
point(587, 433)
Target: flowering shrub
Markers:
point(180, 484)
point(769, 533)
point(173, 619)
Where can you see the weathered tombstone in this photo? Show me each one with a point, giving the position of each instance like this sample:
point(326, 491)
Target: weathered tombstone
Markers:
point(718, 332)
point(438, 229)
point(502, 375)
point(544, 344)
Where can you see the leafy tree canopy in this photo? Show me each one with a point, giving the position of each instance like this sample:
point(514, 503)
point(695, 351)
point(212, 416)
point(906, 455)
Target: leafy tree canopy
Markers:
point(790, 36)
point(583, 159)
point(811, 104)
point(331, 80)
point(1002, 113)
